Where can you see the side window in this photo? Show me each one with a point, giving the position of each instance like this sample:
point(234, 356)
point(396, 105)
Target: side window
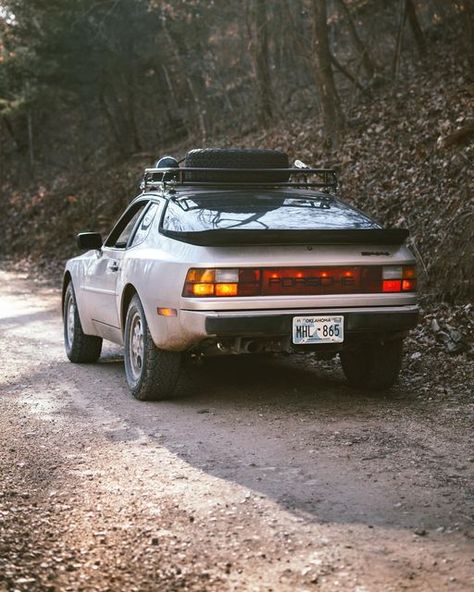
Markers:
point(145, 223)
point(122, 231)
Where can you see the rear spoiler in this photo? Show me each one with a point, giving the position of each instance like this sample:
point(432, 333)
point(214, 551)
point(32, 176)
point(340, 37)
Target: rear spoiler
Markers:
point(222, 237)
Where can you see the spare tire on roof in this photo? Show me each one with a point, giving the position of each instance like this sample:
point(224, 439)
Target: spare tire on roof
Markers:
point(237, 158)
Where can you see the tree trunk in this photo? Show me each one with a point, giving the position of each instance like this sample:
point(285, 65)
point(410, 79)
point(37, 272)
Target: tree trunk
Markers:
point(297, 44)
point(359, 45)
point(417, 31)
point(332, 115)
point(345, 72)
point(11, 131)
point(131, 119)
point(170, 86)
point(468, 11)
point(31, 147)
point(111, 119)
point(194, 82)
point(460, 137)
point(262, 64)
point(398, 44)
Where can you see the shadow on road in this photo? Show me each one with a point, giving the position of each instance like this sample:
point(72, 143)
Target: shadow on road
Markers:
point(291, 429)
point(287, 428)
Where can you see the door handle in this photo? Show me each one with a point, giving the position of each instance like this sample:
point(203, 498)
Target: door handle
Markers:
point(114, 266)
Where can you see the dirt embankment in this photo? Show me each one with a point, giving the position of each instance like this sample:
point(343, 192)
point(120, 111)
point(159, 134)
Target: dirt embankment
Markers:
point(395, 161)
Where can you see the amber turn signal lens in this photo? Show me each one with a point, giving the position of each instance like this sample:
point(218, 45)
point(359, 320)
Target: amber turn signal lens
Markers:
point(202, 289)
point(227, 289)
point(408, 285)
point(202, 276)
point(167, 312)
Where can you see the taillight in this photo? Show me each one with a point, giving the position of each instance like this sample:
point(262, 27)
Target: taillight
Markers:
point(222, 282)
point(320, 280)
point(399, 278)
point(282, 281)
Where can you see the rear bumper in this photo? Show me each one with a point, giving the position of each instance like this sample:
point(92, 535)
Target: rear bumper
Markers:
point(261, 325)
point(192, 327)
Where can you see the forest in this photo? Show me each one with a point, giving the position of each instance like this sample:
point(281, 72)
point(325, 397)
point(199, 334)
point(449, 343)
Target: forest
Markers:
point(166, 424)
point(91, 91)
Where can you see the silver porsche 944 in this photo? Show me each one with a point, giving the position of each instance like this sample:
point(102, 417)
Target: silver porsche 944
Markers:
point(236, 252)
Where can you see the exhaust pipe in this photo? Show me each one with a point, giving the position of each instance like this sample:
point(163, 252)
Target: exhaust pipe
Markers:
point(223, 348)
point(251, 347)
point(245, 346)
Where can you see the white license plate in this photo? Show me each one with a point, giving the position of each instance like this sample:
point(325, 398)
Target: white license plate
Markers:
point(318, 329)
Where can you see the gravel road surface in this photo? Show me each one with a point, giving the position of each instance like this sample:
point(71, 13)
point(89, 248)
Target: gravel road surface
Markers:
point(260, 474)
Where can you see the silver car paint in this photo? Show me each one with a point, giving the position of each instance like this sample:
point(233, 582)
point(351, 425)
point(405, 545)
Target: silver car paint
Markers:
point(157, 270)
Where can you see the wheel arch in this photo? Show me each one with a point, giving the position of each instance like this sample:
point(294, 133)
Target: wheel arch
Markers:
point(67, 279)
point(128, 293)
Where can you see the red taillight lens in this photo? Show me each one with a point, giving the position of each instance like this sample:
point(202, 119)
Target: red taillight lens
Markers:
point(392, 286)
point(320, 280)
point(409, 278)
point(249, 282)
point(399, 278)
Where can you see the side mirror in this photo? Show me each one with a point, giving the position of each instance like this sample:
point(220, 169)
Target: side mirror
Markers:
point(89, 240)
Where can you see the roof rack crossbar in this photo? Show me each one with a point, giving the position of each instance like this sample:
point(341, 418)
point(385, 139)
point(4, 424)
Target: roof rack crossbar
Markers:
point(170, 176)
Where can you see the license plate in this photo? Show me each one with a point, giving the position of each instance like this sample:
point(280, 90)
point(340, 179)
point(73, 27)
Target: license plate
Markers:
point(318, 329)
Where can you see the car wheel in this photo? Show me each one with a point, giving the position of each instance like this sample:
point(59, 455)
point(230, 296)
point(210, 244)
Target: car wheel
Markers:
point(151, 373)
point(80, 348)
point(375, 366)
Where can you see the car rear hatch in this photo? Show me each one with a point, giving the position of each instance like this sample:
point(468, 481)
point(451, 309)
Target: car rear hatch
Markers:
point(271, 217)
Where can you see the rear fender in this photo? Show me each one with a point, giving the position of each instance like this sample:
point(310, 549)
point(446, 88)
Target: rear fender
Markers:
point(74, 274)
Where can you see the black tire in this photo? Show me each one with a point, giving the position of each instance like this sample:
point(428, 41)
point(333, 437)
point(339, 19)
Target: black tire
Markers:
point(237, 158)
point(80, 348)
point(375, 366)
point(151, 373)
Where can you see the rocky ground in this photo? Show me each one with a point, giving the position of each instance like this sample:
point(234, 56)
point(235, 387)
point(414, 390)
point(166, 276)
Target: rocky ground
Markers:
point(257, 476)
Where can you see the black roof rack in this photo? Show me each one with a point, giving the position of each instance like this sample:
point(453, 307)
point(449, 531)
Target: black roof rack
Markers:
point(170, 177)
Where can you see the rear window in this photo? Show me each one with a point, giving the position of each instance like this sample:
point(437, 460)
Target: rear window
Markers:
point(262, 211)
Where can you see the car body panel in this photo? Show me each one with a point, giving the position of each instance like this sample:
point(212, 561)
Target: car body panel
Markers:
point(100, 286)
point(156, 269)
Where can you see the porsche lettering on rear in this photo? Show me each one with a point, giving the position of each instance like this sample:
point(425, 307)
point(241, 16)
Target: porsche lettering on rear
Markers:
point(330, 282)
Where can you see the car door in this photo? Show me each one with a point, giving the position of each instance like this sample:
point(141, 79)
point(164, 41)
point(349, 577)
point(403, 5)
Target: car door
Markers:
point(104, 272)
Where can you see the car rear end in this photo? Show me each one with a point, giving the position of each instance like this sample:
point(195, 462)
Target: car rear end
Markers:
point(263, 258)
point(319, 276)
point(290, 298)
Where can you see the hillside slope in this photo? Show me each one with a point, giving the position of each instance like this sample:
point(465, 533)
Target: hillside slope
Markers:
point(392, 162)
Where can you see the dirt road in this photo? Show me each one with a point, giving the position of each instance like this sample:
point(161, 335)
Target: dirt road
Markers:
point(259, 475)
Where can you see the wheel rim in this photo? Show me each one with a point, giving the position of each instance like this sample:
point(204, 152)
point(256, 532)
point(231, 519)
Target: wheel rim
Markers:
point(70, 317)
point(136, 346)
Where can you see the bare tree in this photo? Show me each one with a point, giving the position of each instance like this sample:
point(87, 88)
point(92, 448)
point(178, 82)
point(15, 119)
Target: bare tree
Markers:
point(466, 8)
point(331, 111)
point(407, 9)
point(402, 17)
point(262, 64)
point(417, 31)
point(194, 81)
point(367, 61)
